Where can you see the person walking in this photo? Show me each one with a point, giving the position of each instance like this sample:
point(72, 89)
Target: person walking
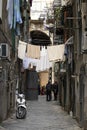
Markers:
point(55, 90)
point(48, 91)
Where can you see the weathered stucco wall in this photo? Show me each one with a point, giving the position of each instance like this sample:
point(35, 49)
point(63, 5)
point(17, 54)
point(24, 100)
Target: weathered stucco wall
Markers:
point(7, 67)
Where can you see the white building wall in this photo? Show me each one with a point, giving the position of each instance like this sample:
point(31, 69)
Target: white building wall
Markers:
point(39, 7)
point(66, 2)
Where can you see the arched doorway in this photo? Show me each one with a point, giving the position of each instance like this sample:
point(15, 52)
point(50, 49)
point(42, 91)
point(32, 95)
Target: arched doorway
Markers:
point(40, 38)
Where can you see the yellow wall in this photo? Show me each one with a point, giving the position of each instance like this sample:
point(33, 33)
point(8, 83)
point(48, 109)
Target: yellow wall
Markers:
point(43, 78)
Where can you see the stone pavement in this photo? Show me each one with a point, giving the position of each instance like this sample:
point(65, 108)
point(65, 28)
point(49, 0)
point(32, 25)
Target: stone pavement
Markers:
point(42, 115)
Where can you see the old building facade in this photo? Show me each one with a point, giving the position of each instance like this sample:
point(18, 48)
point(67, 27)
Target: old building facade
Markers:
point(72, 78)
point(9, 63)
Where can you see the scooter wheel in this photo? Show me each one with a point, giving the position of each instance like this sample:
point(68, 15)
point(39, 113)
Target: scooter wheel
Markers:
point(21, 113)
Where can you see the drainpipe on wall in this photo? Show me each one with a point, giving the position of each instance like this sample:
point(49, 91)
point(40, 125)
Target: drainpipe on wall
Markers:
point(25, 29)
point(26, 21)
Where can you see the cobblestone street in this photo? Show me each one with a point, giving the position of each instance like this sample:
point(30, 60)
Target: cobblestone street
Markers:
point(42, 115)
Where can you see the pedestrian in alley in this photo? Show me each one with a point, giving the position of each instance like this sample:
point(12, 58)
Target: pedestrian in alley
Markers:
point(43, 90)
point(38, 88)
point(55, 90)
point(48, 91)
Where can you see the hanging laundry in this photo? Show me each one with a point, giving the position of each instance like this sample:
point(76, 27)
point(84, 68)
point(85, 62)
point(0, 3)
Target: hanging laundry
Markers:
point(21, 49)
point(56, 52)
point(17, 14)
point(0, 9)
point(29, 61)
point(48, 63)
point(14, 15)
point(42, 59)
point(41, 64)
point(33, 51)
point(10, 12)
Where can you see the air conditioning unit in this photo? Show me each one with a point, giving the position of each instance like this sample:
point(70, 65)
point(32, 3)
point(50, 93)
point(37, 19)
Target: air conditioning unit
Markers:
point(3, 50)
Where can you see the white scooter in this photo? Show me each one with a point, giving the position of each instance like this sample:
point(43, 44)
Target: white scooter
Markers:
point(21, 109)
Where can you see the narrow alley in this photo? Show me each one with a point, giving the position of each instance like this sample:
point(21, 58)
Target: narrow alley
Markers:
point(42, 115)
point(43, 42)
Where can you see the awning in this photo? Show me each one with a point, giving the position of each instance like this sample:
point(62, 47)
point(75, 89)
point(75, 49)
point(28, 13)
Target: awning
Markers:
point(56, 52)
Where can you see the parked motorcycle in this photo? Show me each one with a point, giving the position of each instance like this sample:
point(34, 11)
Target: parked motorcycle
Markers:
point(21, 109)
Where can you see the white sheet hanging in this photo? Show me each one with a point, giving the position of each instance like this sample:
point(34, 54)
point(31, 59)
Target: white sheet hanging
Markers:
point(21, 49)
point(27, 61)
point(33, 51)
point(56, 52)
point(41, 64)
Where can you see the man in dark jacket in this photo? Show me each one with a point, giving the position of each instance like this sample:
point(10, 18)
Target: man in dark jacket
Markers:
point(48, 91)
point(55, 90)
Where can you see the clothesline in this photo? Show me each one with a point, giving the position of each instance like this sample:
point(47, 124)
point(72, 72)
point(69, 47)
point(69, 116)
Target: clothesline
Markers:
point(41, 58)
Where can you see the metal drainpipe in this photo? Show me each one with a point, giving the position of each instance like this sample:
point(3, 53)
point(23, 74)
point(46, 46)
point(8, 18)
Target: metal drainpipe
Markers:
point(25, 29)
point(25, 21)
point(29, 37)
